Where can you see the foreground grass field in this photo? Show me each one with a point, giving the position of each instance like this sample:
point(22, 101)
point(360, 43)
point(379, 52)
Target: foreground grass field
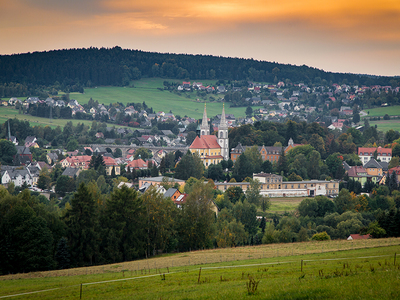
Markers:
point(323, 270)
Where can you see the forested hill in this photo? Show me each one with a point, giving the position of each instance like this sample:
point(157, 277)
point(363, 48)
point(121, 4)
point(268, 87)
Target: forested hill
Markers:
point(116, 66)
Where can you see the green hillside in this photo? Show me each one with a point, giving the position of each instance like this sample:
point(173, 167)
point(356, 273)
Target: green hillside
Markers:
point(147, 90)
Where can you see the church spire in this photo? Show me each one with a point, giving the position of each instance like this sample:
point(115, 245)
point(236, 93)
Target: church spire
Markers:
point(223, 139)
point(222, 124)
point(205, 129)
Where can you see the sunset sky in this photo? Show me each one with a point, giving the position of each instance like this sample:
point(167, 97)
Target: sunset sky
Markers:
point(341, 36)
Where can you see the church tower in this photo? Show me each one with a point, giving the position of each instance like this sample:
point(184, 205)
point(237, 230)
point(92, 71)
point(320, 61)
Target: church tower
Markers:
point(204, 128)
point(223, 140)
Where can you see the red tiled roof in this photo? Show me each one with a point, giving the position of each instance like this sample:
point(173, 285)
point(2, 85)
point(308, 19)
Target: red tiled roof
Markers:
point(395, 169)
point(109, 161)
point(181, 199)
point(360, 236)
point(372, 150)
point(355, 170)
point(137, 164)
point(205, 142)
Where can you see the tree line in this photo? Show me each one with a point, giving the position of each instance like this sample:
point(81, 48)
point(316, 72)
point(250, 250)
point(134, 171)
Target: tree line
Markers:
point(120, 225)
point(70, 70)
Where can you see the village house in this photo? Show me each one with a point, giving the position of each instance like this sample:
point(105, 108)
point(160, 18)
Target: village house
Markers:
point(383, 154)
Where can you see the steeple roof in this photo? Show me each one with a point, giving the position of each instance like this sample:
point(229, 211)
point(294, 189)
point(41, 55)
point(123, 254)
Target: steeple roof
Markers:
point(204, 124)
point(222, 124)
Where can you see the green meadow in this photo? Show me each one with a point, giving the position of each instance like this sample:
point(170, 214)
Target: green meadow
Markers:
point(9, 112)
point(281, 205)
point(317, 270)
point(147, 90)
point(381, 111)
point(386, 125)
point(150, 90)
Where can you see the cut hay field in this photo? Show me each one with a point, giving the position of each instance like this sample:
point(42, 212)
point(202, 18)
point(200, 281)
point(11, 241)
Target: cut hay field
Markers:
point(311, 270)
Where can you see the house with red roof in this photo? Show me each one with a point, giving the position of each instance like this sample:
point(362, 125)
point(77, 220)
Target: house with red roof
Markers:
point(81, 162)
point(396, 170)
point(110, 164)
point(366, 153)
point(358, 173)
point(137, 164)
point(358, 237)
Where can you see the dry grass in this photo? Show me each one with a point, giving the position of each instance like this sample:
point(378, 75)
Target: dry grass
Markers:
point(202, 257)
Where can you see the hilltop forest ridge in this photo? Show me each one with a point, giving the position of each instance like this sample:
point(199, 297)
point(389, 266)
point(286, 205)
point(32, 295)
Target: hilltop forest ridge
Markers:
point(117, 67)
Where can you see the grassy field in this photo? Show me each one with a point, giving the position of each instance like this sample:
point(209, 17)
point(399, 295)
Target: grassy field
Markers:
point(386, 125)
point(381, 111)
point(287, 204)
point(312, 270)
point(7, 112)
point(147, 90)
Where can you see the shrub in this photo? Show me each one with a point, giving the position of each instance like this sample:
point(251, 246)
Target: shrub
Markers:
point(322, 236)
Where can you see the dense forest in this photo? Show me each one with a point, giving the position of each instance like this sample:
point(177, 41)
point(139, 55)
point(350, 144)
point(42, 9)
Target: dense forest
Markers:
point(73, 69)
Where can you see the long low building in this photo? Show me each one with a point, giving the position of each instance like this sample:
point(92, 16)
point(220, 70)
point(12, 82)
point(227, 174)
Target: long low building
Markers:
point(273, 186)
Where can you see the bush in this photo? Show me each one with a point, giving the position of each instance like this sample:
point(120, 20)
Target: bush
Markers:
point(322, 236)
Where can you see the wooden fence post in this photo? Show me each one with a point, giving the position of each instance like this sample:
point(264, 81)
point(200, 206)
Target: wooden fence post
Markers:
point(302, 266)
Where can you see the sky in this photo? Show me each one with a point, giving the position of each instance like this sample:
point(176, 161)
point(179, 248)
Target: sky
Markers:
point(348, 36)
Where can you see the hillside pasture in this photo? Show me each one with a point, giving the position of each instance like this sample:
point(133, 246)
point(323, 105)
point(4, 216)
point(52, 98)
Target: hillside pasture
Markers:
point(312, 270)
point(381, 111)
point(9, 112)
point(147, 90)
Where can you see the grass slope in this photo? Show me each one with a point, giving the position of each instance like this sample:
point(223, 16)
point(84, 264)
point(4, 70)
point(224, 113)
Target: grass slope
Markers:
point(8, 112)
point(320, 272)
point(147, 90)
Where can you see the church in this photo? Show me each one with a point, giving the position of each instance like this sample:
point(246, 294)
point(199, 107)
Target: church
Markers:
point(211, 149)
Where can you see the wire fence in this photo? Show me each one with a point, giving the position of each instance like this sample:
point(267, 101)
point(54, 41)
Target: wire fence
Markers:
point(218, 255)
point(303, 266)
